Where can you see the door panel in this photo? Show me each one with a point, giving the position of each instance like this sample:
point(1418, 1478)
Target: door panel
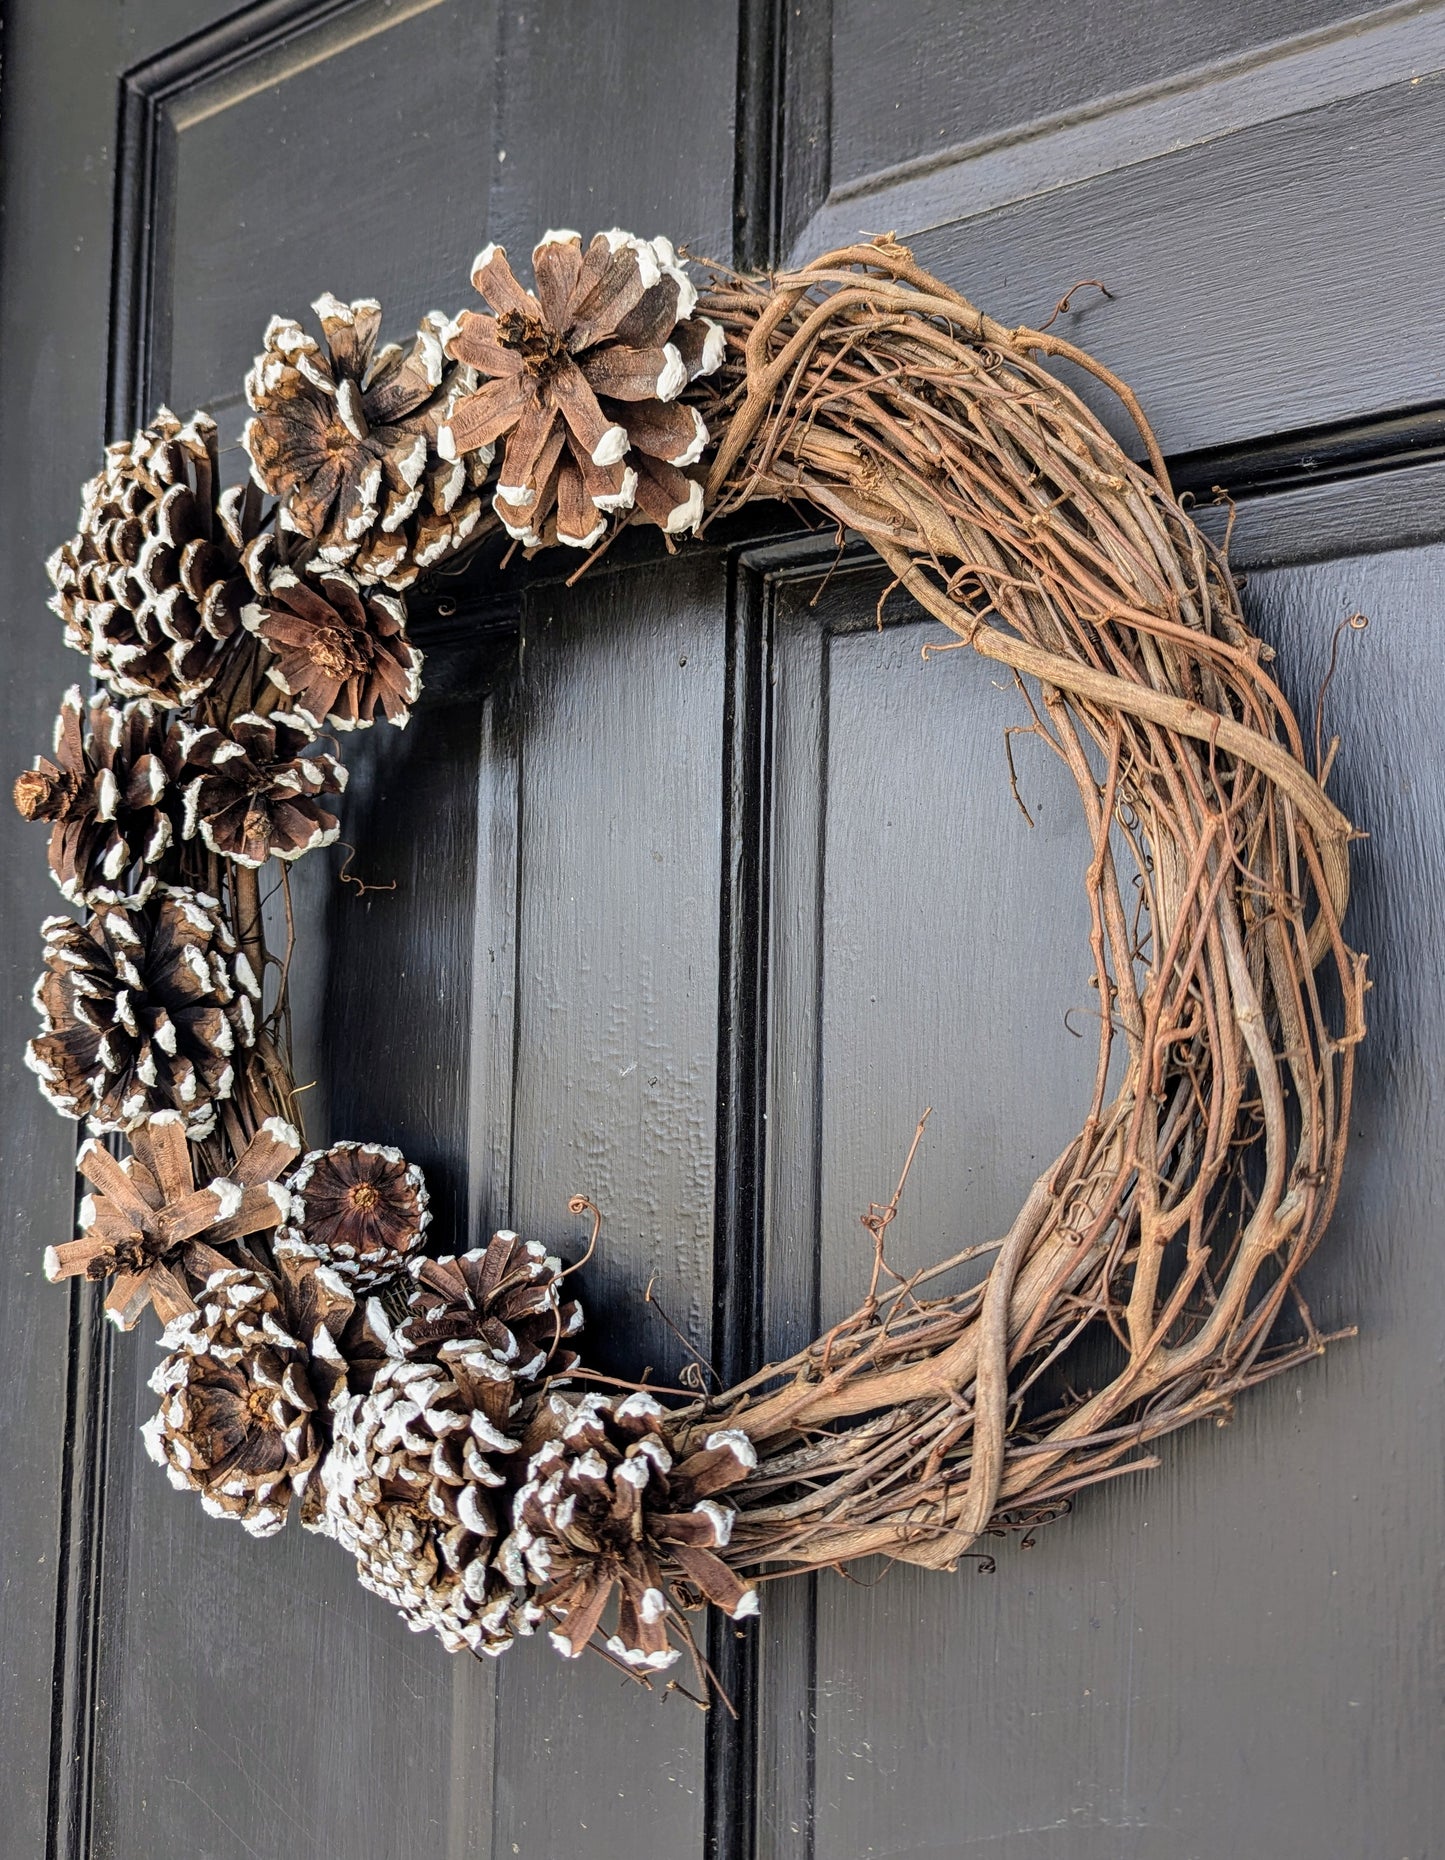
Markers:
point(1250, 1610)
point(980, 80)
point(620, 720)
point(1256, 217)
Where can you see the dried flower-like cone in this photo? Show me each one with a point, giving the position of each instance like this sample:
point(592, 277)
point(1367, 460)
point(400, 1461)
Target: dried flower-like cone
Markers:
point(581, 379)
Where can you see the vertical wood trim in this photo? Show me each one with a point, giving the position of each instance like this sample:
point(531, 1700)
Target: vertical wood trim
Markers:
point(784, 126)
point(731, 1744)
point(77, 1614)
point(494, 973)
point(798, 698)
point(760, 37)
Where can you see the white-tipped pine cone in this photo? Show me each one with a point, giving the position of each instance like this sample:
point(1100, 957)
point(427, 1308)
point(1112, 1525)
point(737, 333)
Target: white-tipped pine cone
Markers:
point(360, 1208)
point(344, 436)
point(338, 650)
point(410, 1487)
point(150, 1231)
point(237, 1420)
point(605, 1511)
point(582, 378)
point(505, 1296)
point(143, 1008)
point(107, 793)
point(150, 587)
point(253, 791)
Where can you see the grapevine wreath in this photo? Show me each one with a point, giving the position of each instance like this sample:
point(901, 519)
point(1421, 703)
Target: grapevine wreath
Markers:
point(429, 1411)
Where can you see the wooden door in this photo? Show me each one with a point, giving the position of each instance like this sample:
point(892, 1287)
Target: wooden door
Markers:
point(657, 880)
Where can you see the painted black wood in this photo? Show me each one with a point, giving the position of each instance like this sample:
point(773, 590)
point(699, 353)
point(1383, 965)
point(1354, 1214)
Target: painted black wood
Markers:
point(697, 877)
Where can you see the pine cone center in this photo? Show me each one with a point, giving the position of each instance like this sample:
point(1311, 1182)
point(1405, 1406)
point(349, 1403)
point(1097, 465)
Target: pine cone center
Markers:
point(335, 652)
point(364, 1197)
point(132, 1252)
point(34, 793)
point(540, 348)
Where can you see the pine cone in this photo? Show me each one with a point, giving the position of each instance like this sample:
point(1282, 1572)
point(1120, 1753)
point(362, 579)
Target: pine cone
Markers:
point(151, 588)
point(251, 791)
point(153, 1232)
point(408, 1488)
point(604, 1508)
point(359, 1208)
point(107, 791)
point(344, 436)
point(505, 1295)
point(582, 379)
point(142, 1008)
point(237, 1421)
point(341, 652)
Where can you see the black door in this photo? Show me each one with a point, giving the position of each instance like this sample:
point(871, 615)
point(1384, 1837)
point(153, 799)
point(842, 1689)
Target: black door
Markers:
point(654, 887)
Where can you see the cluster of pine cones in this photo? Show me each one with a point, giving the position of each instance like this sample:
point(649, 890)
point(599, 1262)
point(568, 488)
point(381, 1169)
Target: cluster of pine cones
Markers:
point(317, 1359)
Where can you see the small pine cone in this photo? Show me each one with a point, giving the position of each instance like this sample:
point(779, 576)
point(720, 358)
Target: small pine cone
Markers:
point(506, 1296)
point(142, 1009)
point(344, 437)
point(360, 1208)
point(237, 1421)
point(151, 586)
point(252, 791)
point(605, 1509)
point(107, 790)
point(408, 1488)
point(341, 651)
point(582, 380)
point(152, 1232)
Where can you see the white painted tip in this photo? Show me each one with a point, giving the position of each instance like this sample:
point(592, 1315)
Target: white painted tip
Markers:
point(612, 447)
point(484, 258)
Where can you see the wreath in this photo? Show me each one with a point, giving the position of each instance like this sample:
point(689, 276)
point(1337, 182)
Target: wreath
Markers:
point(430, 1411)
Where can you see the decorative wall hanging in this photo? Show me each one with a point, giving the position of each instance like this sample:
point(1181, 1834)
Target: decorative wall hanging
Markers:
point(429, 1411)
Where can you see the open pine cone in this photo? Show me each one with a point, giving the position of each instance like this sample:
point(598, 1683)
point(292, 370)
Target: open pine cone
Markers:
point(341, 653)
point(505, 1296)
point(237, 1420)
point(252, 791)
point(582, 380)
point(605, 1510)
point(360, 1208)
point(344, 436)
point(409, 1488)
point(107, 792)
point(150, 587)
point(142, 1008)
point(150, 1230)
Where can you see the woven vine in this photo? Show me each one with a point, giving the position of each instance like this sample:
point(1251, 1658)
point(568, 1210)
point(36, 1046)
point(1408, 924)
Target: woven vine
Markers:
point(428, 1410)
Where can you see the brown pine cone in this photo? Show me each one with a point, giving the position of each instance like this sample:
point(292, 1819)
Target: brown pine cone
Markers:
point(344, 436)
point(605, 1509)
point(341, 652)
point(150, 588)
point(505, 1296)
point(359, 1208)
point(251, 791)
point(142, 1009)
point(582, 380)
point(409, 1487)
point(238, 1415)
point(107, 789)
point(150, 1230)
